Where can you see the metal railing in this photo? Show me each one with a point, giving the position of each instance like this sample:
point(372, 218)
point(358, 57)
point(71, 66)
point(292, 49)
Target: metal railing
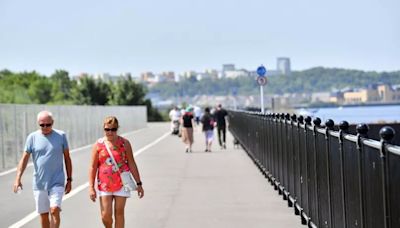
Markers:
point(82, 124)
point(332, 178)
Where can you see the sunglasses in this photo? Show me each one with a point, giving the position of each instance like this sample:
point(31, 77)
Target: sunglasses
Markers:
point(45, 125)
point(110, 129)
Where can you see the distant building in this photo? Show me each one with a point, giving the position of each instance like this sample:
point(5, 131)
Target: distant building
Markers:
point(389, 94)
point(236, 73)
point(324, 97)
point(364, 95)
point(213, 73)
point(106, 77)
point(147, 76)
point(283, 65)
point(189, 74)
point(169, 76)
point(228, 67)
point(201, 76)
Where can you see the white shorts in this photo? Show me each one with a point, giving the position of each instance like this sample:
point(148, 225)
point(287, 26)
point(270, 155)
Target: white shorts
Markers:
point(45, 200)
point(209, 136)
point(120, 192)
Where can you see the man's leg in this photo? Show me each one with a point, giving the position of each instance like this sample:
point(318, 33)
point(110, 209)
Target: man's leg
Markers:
point(44, 220)
point(55, 197)
point(106, 210)
point(224, 136)
point(55, 217)
point(42, 206)
point(119, 211)
point(219, 135)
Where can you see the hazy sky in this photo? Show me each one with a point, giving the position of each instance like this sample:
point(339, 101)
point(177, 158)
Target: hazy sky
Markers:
point(118, 36)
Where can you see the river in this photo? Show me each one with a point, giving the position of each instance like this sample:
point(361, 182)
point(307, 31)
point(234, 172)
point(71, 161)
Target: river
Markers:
point(356, 114)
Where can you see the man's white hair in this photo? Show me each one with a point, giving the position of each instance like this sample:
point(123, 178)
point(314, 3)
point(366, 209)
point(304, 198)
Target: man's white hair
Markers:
point(44, 113)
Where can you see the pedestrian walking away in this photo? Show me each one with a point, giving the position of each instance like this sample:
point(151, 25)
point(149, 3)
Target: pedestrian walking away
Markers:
point(50, 151)
point(111, 192)
point(221, 116)
point(187, 123)
point(208, 123)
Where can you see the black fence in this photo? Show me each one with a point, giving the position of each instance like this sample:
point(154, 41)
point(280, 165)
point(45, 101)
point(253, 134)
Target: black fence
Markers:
point(332, 178)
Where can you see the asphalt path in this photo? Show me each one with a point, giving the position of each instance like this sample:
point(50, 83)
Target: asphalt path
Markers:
point(182, 190)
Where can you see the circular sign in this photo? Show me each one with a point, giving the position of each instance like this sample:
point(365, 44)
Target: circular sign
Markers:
point(261, 80)
point(261, 70)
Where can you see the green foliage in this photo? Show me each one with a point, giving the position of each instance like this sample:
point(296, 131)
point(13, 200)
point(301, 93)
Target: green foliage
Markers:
point(40, 90)
point(317, 79)
point(152, 113)
point(90, 92)
point(32, 88)
point(126, 92)
point(61, 87)
point(19, 88)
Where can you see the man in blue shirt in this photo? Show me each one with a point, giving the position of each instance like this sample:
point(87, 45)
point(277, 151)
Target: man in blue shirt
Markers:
point(49, 149)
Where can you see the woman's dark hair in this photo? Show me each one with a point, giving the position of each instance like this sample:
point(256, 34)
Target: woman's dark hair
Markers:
point(207, 110)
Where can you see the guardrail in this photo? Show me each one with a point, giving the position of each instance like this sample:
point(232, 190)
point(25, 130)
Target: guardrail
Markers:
point(82, 124)
point(332, 179)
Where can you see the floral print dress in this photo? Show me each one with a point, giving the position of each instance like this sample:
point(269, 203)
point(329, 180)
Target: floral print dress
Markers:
point(108, 177)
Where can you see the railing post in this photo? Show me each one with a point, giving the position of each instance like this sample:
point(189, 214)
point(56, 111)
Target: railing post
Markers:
point(343, 128)
point(329, 124)
point(362, 130)
point(298, 208)
point(386, 134)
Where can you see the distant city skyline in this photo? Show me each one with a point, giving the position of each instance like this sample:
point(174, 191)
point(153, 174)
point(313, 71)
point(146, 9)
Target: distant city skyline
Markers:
point(123, 36)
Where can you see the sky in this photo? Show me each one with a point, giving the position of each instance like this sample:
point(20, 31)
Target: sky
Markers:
point(98, 36)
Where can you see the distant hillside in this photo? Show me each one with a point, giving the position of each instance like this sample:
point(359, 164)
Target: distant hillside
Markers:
point(317, 79)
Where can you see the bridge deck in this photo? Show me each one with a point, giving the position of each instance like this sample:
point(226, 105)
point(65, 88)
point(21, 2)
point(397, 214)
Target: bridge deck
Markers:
point(182, 190)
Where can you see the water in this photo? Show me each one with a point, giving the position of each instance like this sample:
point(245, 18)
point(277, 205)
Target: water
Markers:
point(357, 114)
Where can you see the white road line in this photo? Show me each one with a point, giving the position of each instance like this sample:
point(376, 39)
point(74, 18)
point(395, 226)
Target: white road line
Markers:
point(72, 151)
point(80, 188)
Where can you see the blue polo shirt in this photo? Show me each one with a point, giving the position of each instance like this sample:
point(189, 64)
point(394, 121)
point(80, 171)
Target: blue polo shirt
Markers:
point(48, 158)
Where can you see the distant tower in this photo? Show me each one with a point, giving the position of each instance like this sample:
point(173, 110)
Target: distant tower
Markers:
point(283, 65)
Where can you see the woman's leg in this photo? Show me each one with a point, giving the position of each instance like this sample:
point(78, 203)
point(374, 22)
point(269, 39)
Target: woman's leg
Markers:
point(205, 134)
point(106, 210)
point(119, 211)
point(190, 134)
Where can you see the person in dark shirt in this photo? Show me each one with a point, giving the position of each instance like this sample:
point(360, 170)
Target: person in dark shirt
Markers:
point(187, 123)
point(221, 116)
point(208, 128)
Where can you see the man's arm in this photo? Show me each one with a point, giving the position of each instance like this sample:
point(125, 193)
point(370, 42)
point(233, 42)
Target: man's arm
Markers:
point(92, 173)
point(20, 170)
point(68, 168)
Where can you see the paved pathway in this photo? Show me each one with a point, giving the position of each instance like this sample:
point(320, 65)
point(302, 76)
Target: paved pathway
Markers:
point(221, 189)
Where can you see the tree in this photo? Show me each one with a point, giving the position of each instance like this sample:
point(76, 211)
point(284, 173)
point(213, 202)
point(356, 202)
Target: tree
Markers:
point(90, 92)
point(127, 92)
point(61, 87)
point(40, 91)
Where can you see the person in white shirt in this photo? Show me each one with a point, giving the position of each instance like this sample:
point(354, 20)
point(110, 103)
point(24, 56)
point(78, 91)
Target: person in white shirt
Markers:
point(174, 116)
point(197, 114)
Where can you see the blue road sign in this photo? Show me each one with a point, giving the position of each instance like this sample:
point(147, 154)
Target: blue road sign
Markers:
point(261, 71)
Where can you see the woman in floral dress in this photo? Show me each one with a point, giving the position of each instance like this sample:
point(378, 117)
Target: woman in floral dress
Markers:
point(109, 185)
